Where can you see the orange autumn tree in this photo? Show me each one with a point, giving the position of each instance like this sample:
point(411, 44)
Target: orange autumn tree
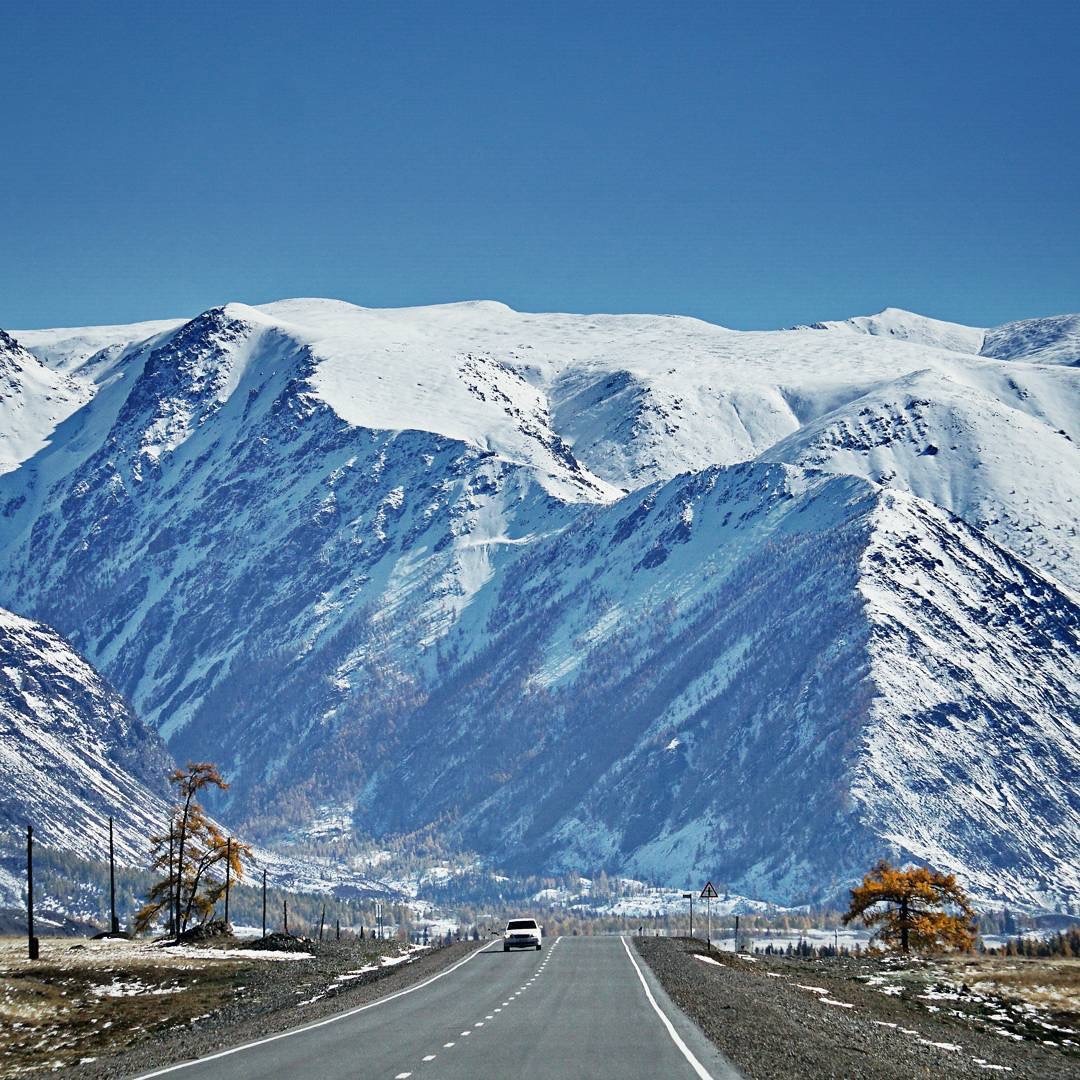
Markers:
point(191, 856)
point(909, 908)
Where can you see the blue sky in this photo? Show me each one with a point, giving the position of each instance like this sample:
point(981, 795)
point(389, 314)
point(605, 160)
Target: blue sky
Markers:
point(754, 164)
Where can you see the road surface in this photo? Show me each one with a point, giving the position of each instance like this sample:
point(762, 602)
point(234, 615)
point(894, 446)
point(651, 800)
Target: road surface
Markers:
point(581, 1008)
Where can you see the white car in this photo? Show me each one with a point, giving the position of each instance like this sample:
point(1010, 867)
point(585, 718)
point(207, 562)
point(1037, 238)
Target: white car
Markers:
point(523, 934)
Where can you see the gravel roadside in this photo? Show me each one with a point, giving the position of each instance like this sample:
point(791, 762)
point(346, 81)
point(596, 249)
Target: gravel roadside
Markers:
point(783, 1018)
point(266, 1003)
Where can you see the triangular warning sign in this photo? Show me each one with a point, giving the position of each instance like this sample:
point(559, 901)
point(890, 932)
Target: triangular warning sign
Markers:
point(709, 893)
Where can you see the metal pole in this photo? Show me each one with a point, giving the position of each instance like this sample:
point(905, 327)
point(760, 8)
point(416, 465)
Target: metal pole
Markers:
point(228, 876)
point(337, 929)
point(32, 942)
point(736, 933)
point(691, 914)
point(285, 909)
point(264, 903)
point(114, 924)
point(708, 903)
point(322, 920)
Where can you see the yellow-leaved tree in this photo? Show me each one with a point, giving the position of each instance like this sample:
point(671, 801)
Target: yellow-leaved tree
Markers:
point(191, 856)
point(911, 908)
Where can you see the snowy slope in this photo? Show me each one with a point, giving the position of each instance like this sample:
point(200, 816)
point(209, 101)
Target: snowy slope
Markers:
point(1055, 340)
point(998, 445)
point(72, 349)
point(71, 753)
point(34, 399)
point(355, 552)
point(903, 325)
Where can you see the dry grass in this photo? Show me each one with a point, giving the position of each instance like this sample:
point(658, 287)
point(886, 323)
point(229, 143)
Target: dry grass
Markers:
point(1050, 983)
point(83, 1000)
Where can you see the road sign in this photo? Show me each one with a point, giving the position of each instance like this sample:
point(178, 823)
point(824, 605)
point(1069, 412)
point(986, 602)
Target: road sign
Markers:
point(709, 893)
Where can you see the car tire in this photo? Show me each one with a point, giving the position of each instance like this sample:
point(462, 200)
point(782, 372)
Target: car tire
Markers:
point(539, 947)
point(506, 948)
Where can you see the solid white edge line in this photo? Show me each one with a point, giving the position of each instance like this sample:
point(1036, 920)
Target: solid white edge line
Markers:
point(676, 1038)
point(311, 1027)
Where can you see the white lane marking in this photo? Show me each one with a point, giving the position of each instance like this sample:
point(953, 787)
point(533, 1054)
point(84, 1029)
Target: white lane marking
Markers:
point(466, 1033)
point(317, 1024)
point(446, 1046)
point(489, 1017)
point(479, 1023)
point(402, 1076)
point(428, 1057)
point(676, 1038)
point(498, 1010)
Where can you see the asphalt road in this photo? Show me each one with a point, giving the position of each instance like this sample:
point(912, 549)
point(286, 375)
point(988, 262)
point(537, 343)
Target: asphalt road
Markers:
point(581, 1008)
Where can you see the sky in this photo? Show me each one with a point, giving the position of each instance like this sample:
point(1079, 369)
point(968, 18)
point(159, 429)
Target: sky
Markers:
point(756, 164)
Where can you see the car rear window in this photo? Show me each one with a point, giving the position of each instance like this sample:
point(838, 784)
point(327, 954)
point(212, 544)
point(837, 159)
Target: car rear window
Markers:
point(521, 924)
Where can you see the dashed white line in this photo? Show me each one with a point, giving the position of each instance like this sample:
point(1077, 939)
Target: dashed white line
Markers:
point(429, 1057)
point(446, 1046)
point(403, 1076)
point(317, 1024)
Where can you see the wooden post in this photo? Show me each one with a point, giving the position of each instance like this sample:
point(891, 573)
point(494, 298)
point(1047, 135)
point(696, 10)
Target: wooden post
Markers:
point(228, 876)
point(337, 929)
point(736, 949)
point(322, 920)
point(32, 942)
point(285, 914)
point(264, 903)
point(114, 923)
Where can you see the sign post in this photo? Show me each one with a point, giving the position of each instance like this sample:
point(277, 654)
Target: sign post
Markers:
point(709, 894)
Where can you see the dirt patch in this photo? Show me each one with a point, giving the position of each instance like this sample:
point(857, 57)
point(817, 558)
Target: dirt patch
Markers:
point(777, 1017)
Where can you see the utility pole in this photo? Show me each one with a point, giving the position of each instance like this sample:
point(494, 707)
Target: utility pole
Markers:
point(114, 923)
point(228, 876)
point(32, 942)
point(264, 903)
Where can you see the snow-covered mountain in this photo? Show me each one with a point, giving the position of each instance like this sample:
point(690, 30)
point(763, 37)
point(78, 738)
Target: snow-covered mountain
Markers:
point(354, 554)
point(71, 752)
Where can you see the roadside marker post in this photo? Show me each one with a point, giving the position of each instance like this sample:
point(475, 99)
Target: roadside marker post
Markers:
point(709, 894)
point(690, 896)
point(32, 942)
point(228, 876)
point(736, 949)
point(264, 903)
point(114, 923)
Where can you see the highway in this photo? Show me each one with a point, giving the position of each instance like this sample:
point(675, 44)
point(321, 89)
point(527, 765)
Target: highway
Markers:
point(581, 1008)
